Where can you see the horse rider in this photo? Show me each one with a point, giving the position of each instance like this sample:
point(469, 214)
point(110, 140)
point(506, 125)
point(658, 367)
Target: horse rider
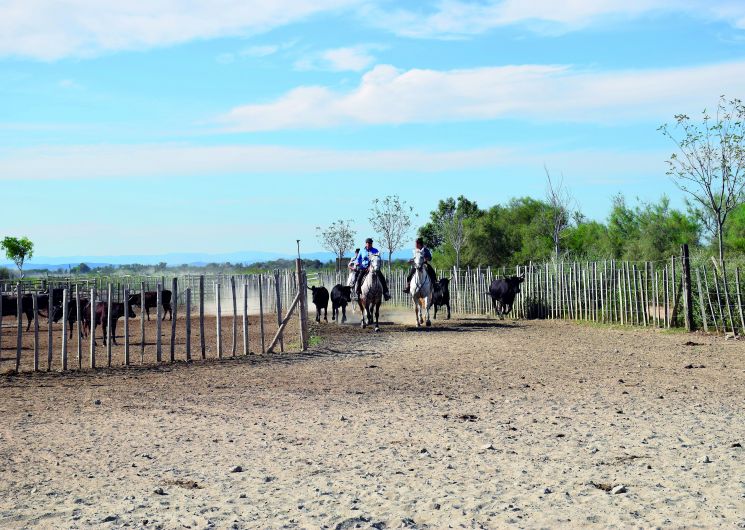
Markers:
point(363, 263)
point(427, 256)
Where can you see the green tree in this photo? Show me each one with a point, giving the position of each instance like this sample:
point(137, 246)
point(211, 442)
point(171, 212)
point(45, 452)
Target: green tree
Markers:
point(446, 229)
point(18, 250)
point(391, 218)
point(337, 238)
point(709, 164)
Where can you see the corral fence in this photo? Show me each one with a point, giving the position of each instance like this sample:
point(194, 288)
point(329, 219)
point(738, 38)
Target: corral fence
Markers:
point(664, 294)
point(230, 299)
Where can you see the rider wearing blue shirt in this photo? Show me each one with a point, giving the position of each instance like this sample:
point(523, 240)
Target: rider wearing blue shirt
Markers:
point(363, 263)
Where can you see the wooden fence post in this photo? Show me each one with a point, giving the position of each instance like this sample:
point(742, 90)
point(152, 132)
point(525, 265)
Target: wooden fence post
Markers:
point(245, 317)
point(739, 299)
point(279, 309)
point(126, 326)
point(202, 341)
point(36, 331)
point(235, 316)
point(303, 307)
point(218, 320)
point(188, 324)
point(77, 327)
point(142, 322)
point(261, 312)
point(159, 325)
point(92, 335)
point(708, 297)
point(174, 313)
point(701, 301)
point(687, 298)
point(64, 324)
point(19, 327)
point(107, 335)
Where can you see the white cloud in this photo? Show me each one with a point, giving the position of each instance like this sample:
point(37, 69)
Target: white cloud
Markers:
point(387, 95)
point(348, 59)
point(53, 29)
point(457, 18)
point(184, 160)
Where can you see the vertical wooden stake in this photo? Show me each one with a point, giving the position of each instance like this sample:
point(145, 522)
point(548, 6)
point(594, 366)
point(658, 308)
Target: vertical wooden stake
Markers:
point(36, 331)
point(174, 312)
point(279, 309)
point(108, 334)
point(19, 327)
point(701, 303)
point(245, 318)
point(218, 320)
point(235, 317)
point(64, 324)
point(159, 323)
point(261, 312)
point(687, 298)
point(92, 336)
point(188, 324)
point(739, 299)
point(708, 297)
point(142, 322)
point(202, 341)
point(126, 326)
point(78, 318)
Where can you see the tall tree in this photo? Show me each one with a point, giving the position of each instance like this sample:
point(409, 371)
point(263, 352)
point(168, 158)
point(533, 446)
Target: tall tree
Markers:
point(710, 162)
point(447, 225)
point(391, 218)
point(337, 238)
point(18, 250)
point(560, 203)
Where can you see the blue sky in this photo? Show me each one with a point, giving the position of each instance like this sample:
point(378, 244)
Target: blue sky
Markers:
point(242, 125)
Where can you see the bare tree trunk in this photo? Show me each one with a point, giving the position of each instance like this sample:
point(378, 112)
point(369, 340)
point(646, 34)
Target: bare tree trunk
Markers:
point(720, 237)
point(390, 256)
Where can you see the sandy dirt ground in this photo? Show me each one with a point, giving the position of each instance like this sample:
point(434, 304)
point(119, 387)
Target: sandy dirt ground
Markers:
point(8, 345)
point(471, 424)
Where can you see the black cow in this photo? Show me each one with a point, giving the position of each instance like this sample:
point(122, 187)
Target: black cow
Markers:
point(442, 295)
point(151, 300)
point(503, 293)
point(72, 315)
point(321, 301)
point(10, 307)
point(340, 296)
point(117, 311)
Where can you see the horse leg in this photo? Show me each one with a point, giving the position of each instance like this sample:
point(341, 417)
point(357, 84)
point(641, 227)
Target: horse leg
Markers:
point(326, 313)
point(362, 311)
point(448, 306)
point(428, 322)
point(343, 313)
point(377, 317)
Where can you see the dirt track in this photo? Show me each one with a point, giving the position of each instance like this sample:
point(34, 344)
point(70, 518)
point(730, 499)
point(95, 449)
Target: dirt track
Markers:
point(469, 424)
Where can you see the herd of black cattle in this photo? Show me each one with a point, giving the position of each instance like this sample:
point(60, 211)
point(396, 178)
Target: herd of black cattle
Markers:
point(10, 308)
point(502, 292)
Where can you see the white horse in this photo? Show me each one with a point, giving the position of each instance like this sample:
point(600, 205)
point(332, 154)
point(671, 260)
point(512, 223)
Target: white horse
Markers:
point(421, 289)
point(371, 295)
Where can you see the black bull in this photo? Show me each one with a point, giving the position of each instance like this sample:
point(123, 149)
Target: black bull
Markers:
point(503, 293)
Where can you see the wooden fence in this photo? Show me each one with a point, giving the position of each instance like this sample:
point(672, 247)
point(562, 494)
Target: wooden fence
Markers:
point(270, 299)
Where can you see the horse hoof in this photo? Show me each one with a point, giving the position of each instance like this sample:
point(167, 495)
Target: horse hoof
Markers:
point(429, 323)
point(377, 328)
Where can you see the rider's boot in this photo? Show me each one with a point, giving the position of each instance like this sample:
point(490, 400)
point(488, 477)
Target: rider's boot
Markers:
point(408, 281)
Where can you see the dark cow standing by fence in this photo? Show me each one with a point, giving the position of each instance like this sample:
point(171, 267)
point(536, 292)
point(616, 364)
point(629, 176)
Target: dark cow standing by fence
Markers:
point(10, 307)
point(117, 311)
point(72, 315)
point(151, 301)
point(340, 296)
point(320, 299)
point(442, 295)
point(503, 293)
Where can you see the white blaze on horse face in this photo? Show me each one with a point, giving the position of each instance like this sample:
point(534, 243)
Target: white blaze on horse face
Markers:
point(418, 259)
point(374, 262)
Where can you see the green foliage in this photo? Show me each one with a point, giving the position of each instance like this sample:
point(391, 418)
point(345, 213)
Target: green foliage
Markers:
point(18, 250)
point(4, 274)
point(522, 231)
